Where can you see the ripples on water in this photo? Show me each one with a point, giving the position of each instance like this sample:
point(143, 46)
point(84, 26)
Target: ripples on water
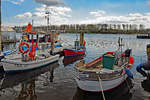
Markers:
point(41, 84)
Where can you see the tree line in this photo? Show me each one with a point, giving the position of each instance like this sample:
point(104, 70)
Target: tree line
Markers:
point(93, 28)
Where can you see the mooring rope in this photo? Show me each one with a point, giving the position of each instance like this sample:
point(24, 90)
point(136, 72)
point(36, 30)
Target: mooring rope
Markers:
point(101, 88)
point(127, 83)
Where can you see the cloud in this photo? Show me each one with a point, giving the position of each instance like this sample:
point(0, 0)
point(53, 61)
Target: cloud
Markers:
point(135, 15)
point(50, 2)
point(62, 15)
point(54, 10)
point(25, 15)
point(148, 14)
point(97, 13)
point(15, 2)
point(106, 20)
point(58, 15)
point(132, 18)
point(40, 12)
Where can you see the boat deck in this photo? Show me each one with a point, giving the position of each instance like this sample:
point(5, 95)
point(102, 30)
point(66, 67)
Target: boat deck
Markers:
point(97, 68)
point(18, 57)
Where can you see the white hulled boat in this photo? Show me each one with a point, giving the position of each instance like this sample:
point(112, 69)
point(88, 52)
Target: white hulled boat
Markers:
point(15, 63)
point(104, 73)
point(30, 57)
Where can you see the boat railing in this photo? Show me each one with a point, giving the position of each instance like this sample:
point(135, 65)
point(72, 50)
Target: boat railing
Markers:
point(11, 61)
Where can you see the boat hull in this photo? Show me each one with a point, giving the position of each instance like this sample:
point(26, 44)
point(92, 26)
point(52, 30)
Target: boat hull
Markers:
point(11, 66)
point(71, 52)
point(94, 86)
point(143, 37)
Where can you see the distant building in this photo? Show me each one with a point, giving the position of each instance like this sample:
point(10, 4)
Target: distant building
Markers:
point(7, 29)
point(119, 27)
point(99, 26)
point(134, 27)
point(141, 27)
point(8, 34)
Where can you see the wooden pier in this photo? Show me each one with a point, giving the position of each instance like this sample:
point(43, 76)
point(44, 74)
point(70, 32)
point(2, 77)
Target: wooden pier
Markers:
point(8, 41)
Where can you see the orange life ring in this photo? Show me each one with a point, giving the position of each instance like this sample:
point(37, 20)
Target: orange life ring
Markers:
point(21, 44)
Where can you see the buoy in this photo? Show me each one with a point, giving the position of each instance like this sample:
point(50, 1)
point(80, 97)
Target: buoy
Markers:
point(22, 50)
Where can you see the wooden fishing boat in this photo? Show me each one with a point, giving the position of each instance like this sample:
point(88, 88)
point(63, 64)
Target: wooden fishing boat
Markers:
point(104, 73)
point(15, 64)
point(78, 49)
point(74, 51)
point(29, 57)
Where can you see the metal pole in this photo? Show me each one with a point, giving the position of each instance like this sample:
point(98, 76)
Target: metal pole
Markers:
point(0, 30)
point(32, 22)
point(48, 23)
point(47, 17)
point(32, 25)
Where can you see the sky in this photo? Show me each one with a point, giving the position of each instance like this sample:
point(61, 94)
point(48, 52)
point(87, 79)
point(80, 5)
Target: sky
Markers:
point(21, 12)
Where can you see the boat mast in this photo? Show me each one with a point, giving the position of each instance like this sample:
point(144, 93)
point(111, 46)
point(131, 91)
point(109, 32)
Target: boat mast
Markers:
point(47, 17)
point(52, 32)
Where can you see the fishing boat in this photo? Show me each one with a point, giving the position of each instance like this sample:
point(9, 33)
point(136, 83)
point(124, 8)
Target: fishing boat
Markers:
point(105, 73)
point(78, 49)
point(16, 64)
point(29, 57)
point(74, 52)
point(143, 36)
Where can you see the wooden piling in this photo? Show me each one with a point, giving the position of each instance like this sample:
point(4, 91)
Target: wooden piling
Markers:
point(52, 42)
point(148, 51)
point(81, 38)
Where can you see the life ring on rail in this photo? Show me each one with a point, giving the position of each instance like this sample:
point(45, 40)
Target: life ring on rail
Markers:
point(20, 47)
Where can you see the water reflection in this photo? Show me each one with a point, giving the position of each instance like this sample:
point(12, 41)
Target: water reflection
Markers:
point(120, 93)
point(64, 87)
point(27, 91)
point(146, 85)
point(70, 60)
point(26, 81)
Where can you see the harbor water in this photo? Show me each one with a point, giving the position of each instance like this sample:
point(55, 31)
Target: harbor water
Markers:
point(56, 81)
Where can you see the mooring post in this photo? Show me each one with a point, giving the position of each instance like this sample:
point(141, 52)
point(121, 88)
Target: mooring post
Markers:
point(148, 55)
point(52, 42)
point(51, 75)
point(81, 38)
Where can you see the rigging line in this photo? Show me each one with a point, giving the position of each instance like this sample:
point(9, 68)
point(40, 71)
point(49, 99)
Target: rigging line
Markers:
point(101, 88)
point(127, 83)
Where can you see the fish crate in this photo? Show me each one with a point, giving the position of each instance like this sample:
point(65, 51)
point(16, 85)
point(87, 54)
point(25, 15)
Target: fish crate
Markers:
point(108, 61)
